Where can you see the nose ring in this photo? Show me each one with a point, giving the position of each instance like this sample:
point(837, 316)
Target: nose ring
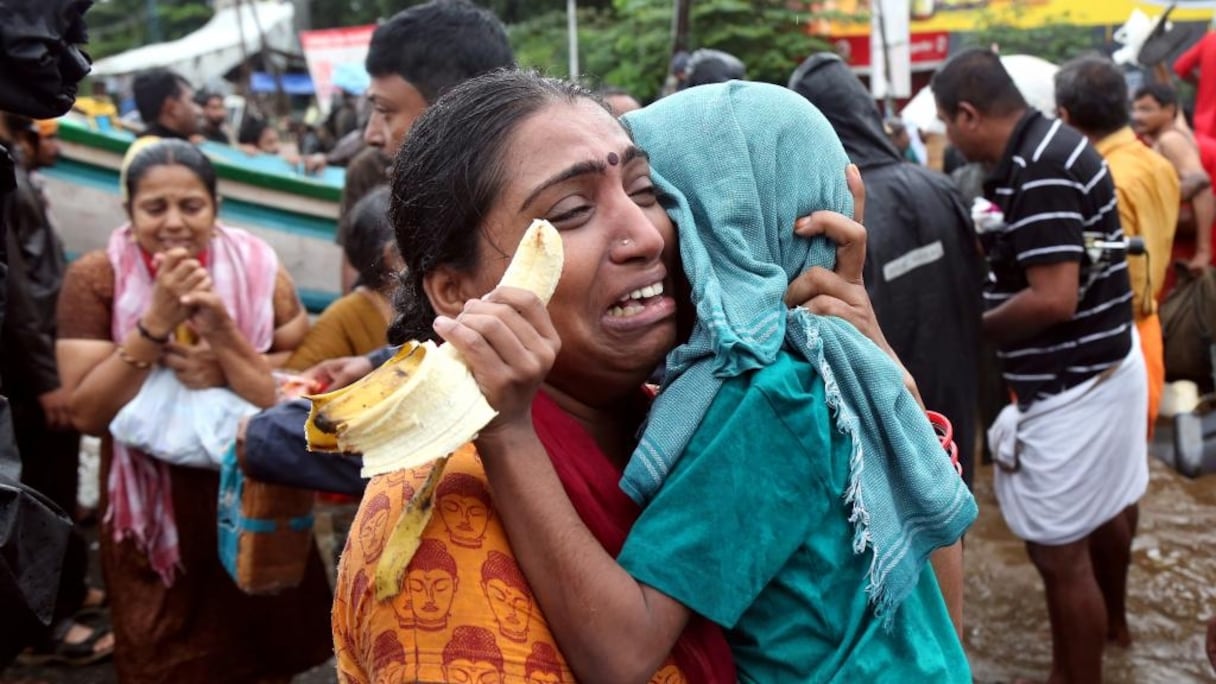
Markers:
point(626, 242)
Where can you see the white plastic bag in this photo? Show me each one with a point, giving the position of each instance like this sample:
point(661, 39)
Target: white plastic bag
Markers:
point(179, 425)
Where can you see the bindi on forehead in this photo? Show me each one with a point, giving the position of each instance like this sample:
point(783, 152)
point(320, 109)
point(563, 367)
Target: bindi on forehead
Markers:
point(613, 159)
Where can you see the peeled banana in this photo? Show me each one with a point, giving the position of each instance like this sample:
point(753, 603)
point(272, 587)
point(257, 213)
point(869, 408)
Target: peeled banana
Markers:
point(422, 405)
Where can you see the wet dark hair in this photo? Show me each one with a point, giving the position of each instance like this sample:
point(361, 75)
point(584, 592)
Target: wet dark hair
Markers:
point(1163, 93)
point(1094, 92)
point(368, 230)
point(439, 44)
point(151, 88)
point(448, 174)
point(252, 127)
point(170, 152)
point(977, 77)
point(713, 66)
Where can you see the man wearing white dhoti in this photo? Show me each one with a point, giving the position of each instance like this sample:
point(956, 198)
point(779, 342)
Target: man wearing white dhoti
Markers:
point(1070, 452)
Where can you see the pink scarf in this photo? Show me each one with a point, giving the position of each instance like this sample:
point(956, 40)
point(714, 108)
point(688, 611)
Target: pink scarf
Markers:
point(243, 270)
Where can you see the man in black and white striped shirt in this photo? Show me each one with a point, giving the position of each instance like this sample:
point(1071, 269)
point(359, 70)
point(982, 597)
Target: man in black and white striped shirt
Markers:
point(1071, 451)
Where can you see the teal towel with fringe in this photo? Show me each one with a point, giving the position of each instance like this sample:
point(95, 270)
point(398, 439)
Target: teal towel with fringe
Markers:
point(737, 163)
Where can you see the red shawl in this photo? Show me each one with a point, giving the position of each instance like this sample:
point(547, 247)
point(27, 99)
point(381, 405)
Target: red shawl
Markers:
point(590, 480)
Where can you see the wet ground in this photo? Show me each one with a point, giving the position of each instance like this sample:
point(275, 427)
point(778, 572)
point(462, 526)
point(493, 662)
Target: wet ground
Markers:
point(1172, 592)
point(1171, 588)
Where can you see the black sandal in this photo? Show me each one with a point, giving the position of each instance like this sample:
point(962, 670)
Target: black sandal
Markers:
point(59, 652)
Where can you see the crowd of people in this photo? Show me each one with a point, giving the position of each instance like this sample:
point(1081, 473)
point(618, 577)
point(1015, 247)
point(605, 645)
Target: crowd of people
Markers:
point(787, 500)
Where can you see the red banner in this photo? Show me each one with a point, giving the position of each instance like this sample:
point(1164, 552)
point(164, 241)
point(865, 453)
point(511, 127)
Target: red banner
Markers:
point(335, 60)
point(928, 49)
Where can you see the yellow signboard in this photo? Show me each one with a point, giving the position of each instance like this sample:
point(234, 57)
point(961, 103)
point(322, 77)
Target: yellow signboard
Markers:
point(963, 15)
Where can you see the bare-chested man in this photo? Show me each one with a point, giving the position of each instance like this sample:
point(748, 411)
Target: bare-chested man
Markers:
point(1154, 113)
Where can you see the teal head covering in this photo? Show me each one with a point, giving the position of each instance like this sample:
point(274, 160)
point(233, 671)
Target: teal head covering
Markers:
point(738, 163)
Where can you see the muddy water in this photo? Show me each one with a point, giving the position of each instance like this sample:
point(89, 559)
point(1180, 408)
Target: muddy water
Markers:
point(1171, 589)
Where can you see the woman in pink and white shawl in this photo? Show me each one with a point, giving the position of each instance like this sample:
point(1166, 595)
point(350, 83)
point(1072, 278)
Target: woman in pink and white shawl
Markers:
point(175, 289)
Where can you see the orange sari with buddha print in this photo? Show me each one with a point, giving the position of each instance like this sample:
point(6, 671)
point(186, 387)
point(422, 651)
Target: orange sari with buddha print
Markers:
point(466, 612)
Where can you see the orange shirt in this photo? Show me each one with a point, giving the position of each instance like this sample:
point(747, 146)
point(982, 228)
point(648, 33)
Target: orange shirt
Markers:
point(466, 612)
point(1147, 191)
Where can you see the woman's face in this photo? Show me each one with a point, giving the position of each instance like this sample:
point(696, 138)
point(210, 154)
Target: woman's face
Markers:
point(573, 164)
point(172, 208)
point(268, 141)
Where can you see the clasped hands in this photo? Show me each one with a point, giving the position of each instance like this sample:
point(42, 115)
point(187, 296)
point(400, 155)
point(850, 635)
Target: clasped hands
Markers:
point(182, 294)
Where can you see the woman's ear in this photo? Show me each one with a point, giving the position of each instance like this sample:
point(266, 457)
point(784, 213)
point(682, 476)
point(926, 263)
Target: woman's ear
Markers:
point(445, 288)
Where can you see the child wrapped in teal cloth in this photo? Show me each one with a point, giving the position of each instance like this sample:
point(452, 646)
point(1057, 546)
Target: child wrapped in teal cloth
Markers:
point(794, 488)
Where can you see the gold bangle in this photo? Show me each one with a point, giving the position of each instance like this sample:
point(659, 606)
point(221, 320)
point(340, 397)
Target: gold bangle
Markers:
point(131, 360)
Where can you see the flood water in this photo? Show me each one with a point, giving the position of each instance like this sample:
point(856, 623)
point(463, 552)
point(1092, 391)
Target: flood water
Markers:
point(1171, 588)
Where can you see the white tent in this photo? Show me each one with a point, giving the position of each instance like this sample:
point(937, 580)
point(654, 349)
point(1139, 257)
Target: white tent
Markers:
point(1034, 76)
point(214, 49)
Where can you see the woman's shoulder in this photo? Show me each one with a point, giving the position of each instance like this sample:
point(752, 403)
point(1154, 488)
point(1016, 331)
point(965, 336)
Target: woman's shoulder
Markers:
point(350, 304)
point(86, 299)
point(94, 270)
point(93, 264)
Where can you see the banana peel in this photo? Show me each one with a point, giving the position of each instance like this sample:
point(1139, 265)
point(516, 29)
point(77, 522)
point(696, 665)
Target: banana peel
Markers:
point(406, 536)
point(420, 406)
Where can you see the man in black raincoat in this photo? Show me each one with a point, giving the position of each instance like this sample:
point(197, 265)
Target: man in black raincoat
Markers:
point(40, 65)
point(923, 267)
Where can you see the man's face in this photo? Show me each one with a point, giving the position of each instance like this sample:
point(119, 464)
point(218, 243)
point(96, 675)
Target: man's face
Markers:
point(214, 111)
point(395, 104)
point(901, 139)
point(182, 112)
point(964, 132)
point(622, 104)
point(48, 150)
point(1149, 116)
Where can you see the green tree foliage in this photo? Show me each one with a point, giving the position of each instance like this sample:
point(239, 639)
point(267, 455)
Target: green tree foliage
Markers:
point(625, 43)
point(119, 25)
point(1056, 40)
point(767, 35)
point(629, 44)
point(338, 13)
point(335, 13)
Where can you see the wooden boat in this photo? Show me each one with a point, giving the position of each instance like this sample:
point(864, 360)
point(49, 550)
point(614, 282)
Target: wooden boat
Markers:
point(294, 212)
